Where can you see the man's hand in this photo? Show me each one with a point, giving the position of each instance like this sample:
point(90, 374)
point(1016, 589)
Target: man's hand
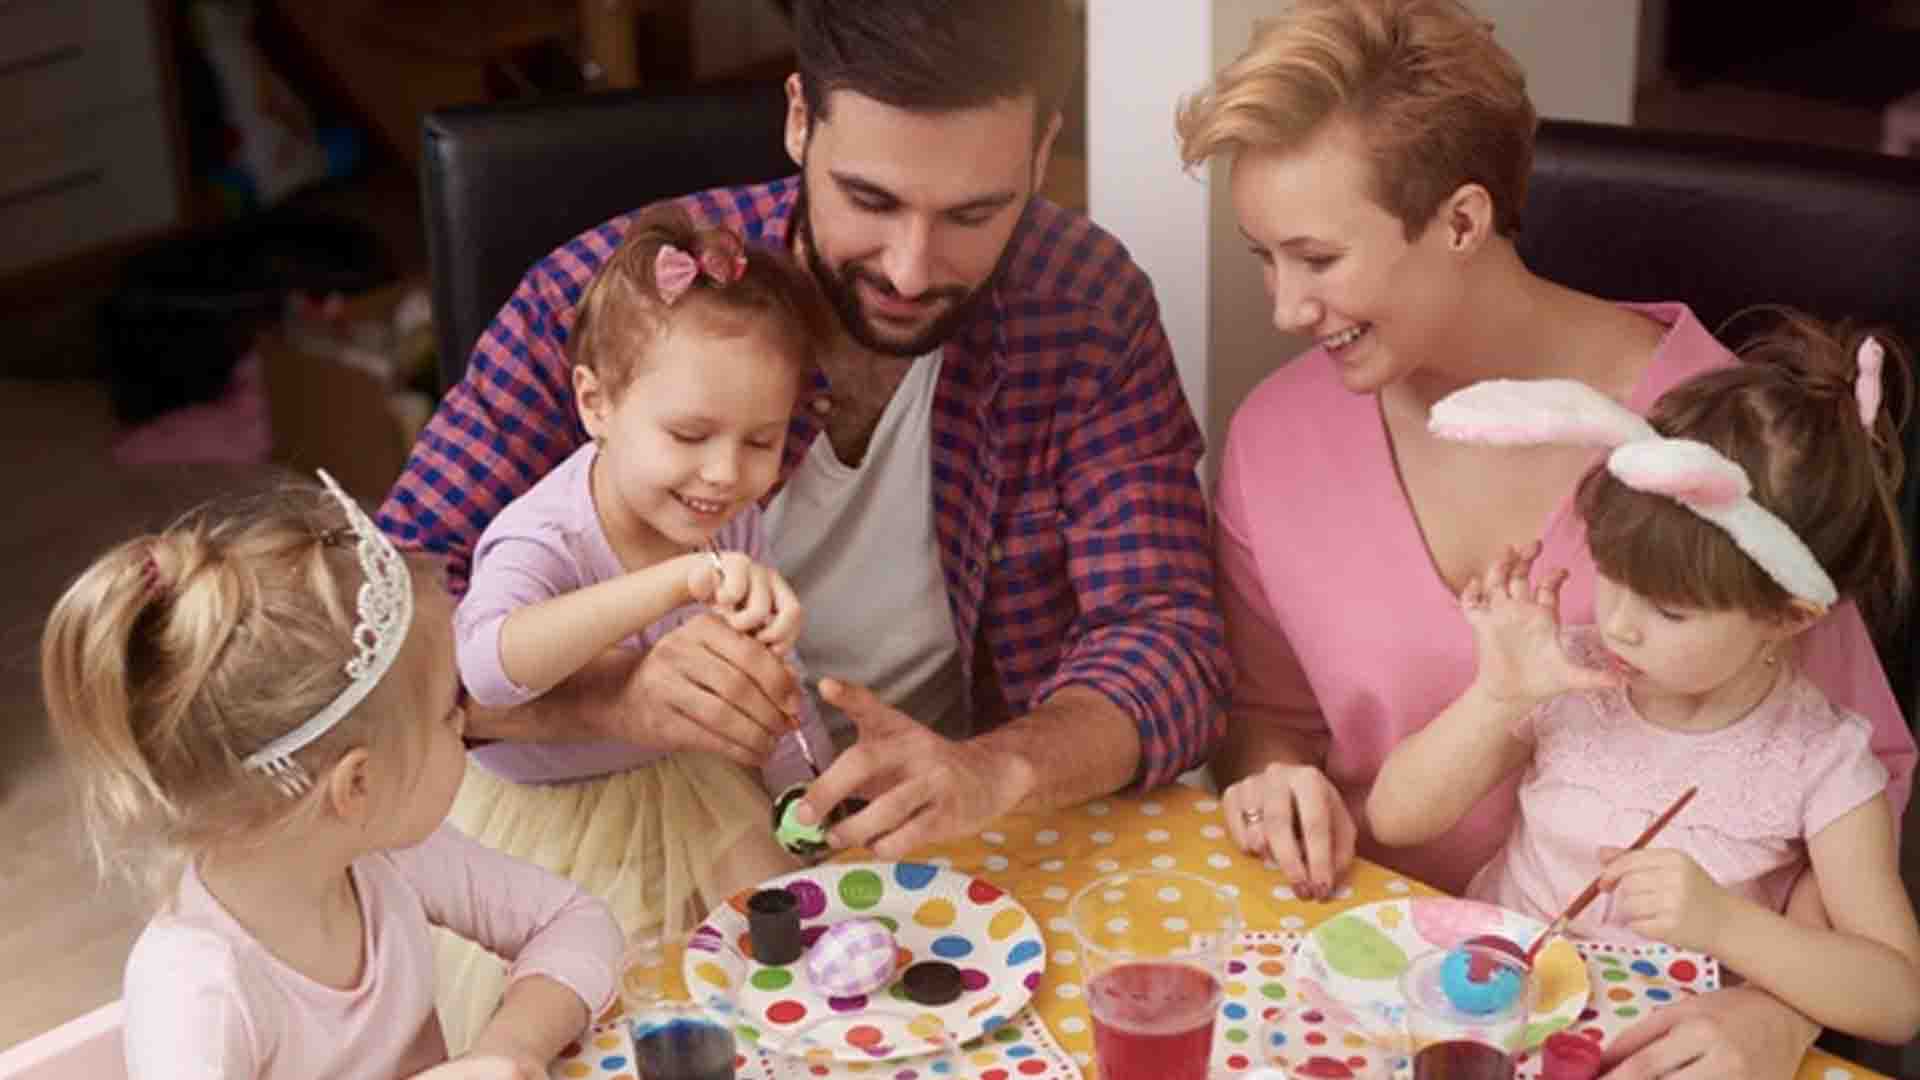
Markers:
point(921, 787)
point(1735, 1033)
point(706, 686)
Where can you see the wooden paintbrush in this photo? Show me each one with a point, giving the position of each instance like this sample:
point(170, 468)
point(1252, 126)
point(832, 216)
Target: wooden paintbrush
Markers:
point(1588, 894)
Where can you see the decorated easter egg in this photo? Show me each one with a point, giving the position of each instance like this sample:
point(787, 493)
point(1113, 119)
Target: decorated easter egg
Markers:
point(852, 958)
point(1480, 981)
point(807, 841)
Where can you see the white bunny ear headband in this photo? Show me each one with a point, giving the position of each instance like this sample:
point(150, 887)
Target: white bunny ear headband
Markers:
point(1513, 412)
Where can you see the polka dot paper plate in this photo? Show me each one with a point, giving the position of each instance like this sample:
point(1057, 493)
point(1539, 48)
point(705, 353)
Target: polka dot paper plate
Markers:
point(1350, 965)
point(934, 913)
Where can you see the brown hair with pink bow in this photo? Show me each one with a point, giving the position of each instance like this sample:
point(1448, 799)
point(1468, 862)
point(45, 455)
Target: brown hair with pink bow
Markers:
point(667, 269)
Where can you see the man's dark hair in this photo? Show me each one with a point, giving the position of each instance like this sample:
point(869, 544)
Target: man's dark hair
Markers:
point(935, 54)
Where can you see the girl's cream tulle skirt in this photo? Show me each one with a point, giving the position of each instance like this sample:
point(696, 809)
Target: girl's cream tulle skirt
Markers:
point(657, 843)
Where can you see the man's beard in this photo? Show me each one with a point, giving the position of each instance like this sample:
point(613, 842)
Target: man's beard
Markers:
point(841, 290)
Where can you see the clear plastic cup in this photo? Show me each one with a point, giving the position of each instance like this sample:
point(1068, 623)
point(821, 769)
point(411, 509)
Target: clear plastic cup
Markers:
point(1154, 947)
point(1307, 1042)
point(916, 1040)
point(650, 971)
point(1467, 1010)
point(681, 1041)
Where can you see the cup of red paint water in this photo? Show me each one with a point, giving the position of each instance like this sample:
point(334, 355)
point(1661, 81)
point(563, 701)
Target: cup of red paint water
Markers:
point(1154, 946)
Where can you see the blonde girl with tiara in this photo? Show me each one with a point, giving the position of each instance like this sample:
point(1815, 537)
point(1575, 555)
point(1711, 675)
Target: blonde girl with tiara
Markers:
point(261, 709)
point(687, 352)
point(1751, 500)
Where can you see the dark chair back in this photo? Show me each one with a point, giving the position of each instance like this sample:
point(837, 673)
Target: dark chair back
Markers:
point(503, 185)
point(1725, 223)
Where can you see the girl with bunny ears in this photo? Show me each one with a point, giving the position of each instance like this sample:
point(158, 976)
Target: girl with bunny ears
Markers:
point(261, 710)
point(1725, 524)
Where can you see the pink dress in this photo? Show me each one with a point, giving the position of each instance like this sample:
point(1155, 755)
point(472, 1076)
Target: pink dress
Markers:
point(1601, 773)
point(1333, 604)
point(205, 1001)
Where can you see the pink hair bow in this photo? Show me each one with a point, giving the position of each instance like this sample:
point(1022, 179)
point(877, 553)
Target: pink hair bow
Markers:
point(1515, 412)
point(723, 266)
point(673, 273)
point(1866, 385)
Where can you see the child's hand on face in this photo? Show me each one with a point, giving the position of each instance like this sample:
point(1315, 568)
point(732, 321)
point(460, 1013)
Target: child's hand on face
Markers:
point(1666, 896)
point(753, 599)
point(1516, 633)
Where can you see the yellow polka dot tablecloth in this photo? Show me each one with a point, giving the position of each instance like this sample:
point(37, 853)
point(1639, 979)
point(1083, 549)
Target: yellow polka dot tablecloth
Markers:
point(1042, 860)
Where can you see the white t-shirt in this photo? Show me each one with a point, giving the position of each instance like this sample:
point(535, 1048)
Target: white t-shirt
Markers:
point(858, 545)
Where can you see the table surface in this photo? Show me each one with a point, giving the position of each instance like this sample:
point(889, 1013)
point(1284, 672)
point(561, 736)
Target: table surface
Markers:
point(1042, 860)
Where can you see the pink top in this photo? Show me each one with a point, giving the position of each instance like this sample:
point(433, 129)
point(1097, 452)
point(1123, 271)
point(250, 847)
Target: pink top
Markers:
point(549, 542)
point(1601, 773)
point(205, 1000)
point(1333, 603)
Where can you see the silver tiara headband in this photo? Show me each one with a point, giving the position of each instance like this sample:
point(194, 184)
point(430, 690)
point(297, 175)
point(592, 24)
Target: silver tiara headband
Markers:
point(384, 607)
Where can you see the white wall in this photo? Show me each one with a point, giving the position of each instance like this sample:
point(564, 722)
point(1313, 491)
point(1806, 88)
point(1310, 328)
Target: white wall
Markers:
point(1581, 56)
point(1581, 60)
point(1142, 57)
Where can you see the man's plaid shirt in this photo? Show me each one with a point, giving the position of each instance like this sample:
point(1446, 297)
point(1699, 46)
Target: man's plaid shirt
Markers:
point(1071, 526)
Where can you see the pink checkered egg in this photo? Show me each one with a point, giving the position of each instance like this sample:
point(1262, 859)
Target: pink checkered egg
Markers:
point(852, 958)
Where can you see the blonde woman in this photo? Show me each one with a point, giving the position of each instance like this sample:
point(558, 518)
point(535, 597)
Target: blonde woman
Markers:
point(1379, 152)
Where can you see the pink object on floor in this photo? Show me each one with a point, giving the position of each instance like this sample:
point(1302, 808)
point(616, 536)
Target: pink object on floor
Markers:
point(236, 427)
point(88, 1046)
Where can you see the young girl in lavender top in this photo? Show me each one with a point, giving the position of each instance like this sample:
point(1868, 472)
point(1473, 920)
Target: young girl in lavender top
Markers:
point(1724, 525)
point(687, 352)
point(262, 712)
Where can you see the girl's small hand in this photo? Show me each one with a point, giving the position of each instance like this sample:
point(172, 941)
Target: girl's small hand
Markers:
point(753, 598)
point(485, 1067)
point(1516, 632)
point(783, 629)
point(1666, 896)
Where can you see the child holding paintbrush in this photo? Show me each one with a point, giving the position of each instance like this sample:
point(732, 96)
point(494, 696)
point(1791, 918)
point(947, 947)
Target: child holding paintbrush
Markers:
point(1750, 501)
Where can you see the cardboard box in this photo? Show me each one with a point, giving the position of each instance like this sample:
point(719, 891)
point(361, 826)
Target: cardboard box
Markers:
point(353, 421)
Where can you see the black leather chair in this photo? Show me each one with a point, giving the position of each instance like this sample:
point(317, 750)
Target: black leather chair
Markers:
point(1721, 223)
point(1727, 223)
point(503, 185)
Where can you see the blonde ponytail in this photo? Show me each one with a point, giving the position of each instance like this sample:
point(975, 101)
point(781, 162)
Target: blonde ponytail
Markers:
point(173, 656)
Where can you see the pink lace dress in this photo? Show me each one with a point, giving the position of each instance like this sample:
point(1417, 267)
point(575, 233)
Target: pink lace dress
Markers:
point(1601, 773)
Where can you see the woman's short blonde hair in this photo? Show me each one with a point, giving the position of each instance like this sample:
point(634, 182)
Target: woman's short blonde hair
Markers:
point(1437, 101)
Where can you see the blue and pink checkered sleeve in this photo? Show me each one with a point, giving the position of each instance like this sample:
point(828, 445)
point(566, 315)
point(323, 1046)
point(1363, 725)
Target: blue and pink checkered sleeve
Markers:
point(507, 422)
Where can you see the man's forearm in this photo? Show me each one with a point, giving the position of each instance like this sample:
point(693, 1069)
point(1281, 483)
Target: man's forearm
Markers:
point(1076, 746)
point(581, 709)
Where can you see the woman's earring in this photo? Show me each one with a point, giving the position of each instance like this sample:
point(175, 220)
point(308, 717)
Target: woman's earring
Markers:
point(1771, 658)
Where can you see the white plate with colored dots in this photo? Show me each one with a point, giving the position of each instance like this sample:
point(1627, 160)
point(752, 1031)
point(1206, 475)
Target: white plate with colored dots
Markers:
point(934, 913)
point(1350, 965)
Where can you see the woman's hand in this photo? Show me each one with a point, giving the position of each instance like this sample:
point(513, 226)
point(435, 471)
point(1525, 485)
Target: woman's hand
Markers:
point(1294, 815)
point(1739, 1032)
point(752, 597)
point(1516, 633)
